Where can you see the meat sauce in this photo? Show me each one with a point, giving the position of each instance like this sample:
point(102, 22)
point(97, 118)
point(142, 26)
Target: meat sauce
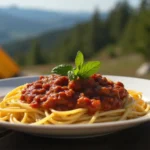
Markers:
point(59, 93)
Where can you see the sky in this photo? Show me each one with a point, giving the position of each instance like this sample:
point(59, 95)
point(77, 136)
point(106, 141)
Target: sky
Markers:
point(66, 5)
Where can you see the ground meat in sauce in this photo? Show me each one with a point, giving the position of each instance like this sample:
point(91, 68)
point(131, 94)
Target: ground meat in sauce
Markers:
point(58, 92)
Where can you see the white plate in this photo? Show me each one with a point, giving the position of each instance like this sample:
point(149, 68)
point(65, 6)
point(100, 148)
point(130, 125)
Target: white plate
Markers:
point(78, 130)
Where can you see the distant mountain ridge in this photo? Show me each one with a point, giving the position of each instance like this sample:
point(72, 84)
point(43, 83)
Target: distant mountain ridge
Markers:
point(43, 15)
point(19, 23)
point(15, 27)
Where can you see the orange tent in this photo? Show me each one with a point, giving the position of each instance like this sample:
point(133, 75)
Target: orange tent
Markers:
point(8, 67)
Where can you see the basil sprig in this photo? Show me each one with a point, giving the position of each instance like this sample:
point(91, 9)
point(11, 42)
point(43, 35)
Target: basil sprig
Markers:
point(81, 69)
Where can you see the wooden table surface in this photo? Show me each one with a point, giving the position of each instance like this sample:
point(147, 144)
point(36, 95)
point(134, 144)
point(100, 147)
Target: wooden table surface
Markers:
point(137, 138)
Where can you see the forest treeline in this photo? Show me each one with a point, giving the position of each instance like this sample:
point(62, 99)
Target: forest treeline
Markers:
point(125, 30)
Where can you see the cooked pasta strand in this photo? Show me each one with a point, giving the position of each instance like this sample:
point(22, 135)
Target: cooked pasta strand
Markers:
point(15, 111)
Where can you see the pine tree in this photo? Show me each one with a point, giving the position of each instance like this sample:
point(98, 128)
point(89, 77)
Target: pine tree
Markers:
point(71, 44)
point(128, 40)
point(145, 4)
point(137, 33)
point(94, 32)
point(76, 43)
point(35, 55)
point(20, 58)
point(143, 30)
point(118, 20)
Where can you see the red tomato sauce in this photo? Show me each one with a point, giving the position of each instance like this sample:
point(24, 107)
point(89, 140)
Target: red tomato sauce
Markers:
point(59, 93)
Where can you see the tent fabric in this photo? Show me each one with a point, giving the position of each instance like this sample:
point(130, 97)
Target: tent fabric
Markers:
point(8, 67)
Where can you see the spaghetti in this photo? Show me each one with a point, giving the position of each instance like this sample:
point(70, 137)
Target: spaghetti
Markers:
point(15, 110)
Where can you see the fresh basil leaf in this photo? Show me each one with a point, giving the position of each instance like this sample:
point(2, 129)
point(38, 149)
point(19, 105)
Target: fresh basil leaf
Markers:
point(89, 69)
point(82, 70)
point(75, 70)
point(79, 60)
point(62, 69)
point(71, 75)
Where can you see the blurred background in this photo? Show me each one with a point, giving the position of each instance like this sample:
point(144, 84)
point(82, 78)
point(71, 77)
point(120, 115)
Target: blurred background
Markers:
point(37, 35)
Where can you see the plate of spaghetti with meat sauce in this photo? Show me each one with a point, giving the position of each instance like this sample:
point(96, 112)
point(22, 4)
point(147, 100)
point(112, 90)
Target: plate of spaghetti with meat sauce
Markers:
point(74, 102)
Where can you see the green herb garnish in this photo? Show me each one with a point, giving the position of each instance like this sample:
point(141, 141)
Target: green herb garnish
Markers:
point(81, 69)
point(62, 69)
